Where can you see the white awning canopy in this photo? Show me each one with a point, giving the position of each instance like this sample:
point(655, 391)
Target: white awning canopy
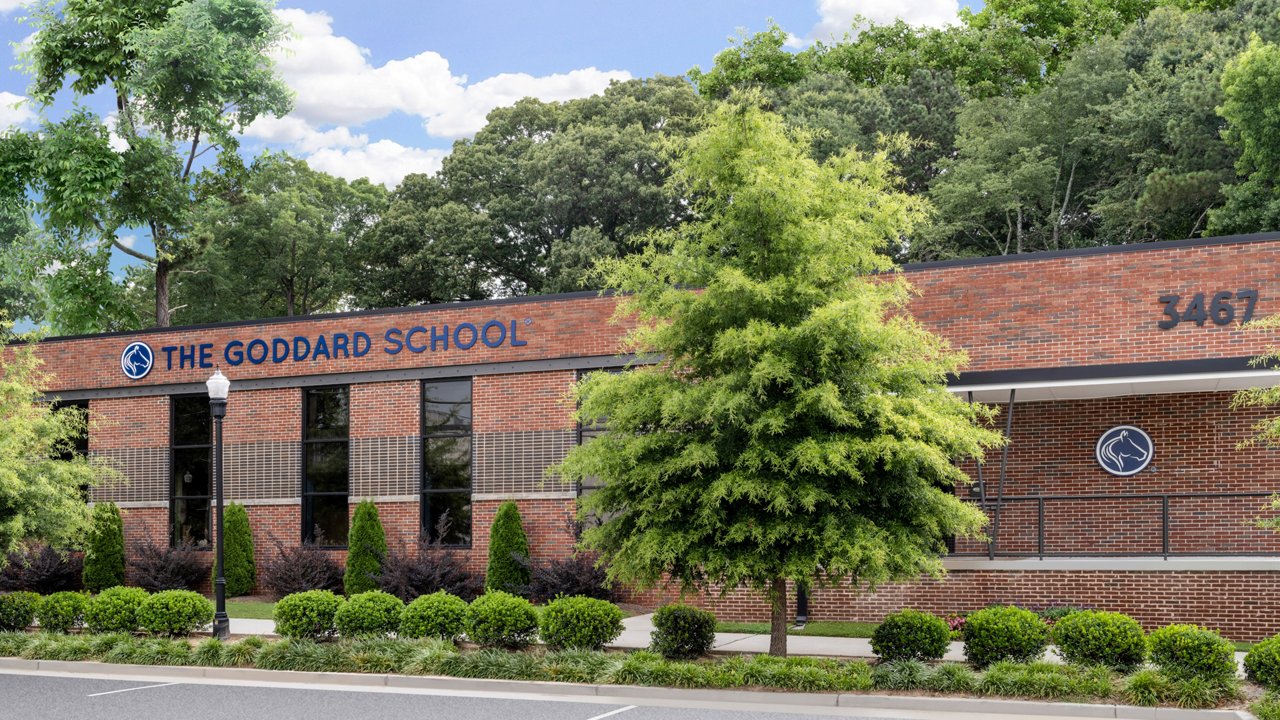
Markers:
point(1084, 389)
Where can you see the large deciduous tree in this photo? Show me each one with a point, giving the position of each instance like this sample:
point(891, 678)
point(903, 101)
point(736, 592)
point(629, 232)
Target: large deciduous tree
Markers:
point(185, 76)
point(798, 426)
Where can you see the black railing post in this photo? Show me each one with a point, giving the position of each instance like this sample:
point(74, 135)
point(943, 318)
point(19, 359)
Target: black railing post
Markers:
point(1004, 467)
point(1040, 525)
point(1164, 525)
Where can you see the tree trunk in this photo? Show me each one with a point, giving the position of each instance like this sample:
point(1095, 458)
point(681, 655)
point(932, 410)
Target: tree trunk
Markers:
point(778, 618)
point(162, 293)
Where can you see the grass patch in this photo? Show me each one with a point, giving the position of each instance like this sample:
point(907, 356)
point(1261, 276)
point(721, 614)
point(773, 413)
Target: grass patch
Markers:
point(818, 628)
point(250, 609)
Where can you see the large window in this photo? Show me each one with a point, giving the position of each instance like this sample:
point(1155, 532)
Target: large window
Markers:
point(446, 461)
point(190, 470)
point(80, 444)
point(586, 433)
point(325, 460)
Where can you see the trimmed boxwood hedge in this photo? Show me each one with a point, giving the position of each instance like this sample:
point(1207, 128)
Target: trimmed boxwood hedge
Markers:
point(369, 613)
point(1185, 652)
point(683, 631)
point(175, 613)
point(115, 610)
point(579, 623)
point(500, 619)
point(911, 635)
point(1090, 637)
point(307, 614)
point(18, 610)
point(61, 611)
point(1262, 664)
point(439, 615)
point(1004, 633)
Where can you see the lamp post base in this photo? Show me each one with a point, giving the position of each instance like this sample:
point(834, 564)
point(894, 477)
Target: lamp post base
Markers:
point(221, 626)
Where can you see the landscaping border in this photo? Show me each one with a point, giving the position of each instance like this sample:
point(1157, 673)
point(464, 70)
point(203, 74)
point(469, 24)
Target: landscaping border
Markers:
point(754, 697)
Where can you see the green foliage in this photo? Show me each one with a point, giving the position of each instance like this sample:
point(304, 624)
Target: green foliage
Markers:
point(238, 566)
point(500, 619)
point(508, 552)
point(1147, 688)
point(759, 60)
point(579, 623)
point(580, 666)
point(17, 610)
point(309, 614)
point(1089, 637)
point(61, 611)
point(494, 663)
point(799, 425)
point(1004, 633)
point(175, 613)
point(952, 678)
point(366, 550)
point(427, 657)
point(911, 635)
point(683, 631)
point(369, 613)
point(1266, 708)
point(900, 675)
point(1262, 663)
point(1046, 680)
point(1182, 652)
point(104, 549)
point(115, 610)
point(438, 615)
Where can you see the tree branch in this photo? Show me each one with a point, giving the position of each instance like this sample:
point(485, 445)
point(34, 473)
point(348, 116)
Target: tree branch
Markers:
point(191, 156)
point(130, 251)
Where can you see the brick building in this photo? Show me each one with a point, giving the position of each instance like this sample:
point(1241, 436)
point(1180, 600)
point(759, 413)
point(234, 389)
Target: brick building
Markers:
point(1123, 486)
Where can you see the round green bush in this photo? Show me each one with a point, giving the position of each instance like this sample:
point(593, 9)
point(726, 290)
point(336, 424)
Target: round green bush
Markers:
point(1004, 633)
point(439, 615)
point(369, 613)
point(500, 619)
point(175, 613)
point(115, 610)
point(1262, 664)
point(683, 631)
point(61, 611)
point(1091, 637)
point(18, 610)
point(911, 635)
point(1183, 652)
point(309, 614)
point(579, 623)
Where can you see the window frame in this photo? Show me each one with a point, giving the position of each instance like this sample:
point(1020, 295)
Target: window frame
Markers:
point(582, 489)
point(307, 510)
point(174, 498)
point(425, 492)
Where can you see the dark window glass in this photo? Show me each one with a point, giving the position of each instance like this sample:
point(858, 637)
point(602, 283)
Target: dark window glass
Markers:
point(586, 433)
point(80, 444)
point(446, 461)
point(190, 470)
point(326, 456)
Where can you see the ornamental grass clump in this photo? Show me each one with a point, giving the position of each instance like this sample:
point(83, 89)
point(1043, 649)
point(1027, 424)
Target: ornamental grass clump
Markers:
point(911, 635)
point(372, 613)
point(1183, 652)
point(307, 614)
point(1004, 633)
point(438, 615)
point(1045, 680)
point(1090, 637)
point(682, 632)
point(899, 675)
point(115, 610)
point(579, 623)
point(18, 610)
point(500, 619)
point(175, 613)
point(61, 611)
point(952, 678)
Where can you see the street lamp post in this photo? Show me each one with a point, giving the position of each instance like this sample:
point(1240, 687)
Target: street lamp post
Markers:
point(218, 385)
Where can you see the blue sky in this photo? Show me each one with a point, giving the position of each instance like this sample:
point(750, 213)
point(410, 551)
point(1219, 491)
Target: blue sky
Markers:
point(384, 87)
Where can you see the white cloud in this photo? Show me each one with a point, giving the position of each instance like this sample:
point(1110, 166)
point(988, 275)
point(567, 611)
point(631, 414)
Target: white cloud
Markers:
point(837, 16)
point(8, 6)
point(384, 161)
point(14, 110)
point(295, 131)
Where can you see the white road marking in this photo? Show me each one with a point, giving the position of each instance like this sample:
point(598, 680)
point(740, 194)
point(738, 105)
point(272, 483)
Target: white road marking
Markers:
point(143, 687)
point(613, 712)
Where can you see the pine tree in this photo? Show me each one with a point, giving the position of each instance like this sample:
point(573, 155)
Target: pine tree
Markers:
point(237, 559)
point(366, 549)
point(508, 552)
point(104, 549)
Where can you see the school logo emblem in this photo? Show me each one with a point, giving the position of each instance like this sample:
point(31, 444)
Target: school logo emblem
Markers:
point(136, 360)
point(1124, 450)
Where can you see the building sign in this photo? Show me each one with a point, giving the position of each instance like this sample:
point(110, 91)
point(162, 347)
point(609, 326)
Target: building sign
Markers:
point(1219, 308)
point(137, 358)
point(1124, 450)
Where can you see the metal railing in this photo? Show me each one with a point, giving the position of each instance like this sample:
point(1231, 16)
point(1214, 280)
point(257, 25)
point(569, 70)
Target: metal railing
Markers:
point(1007, 503)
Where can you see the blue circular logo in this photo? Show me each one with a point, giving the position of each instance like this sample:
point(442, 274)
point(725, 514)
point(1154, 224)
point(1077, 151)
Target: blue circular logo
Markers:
point(136, 360)
point(1124, 450)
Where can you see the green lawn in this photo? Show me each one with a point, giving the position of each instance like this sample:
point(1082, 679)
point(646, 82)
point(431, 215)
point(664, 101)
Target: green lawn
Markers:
point(250, 609)
point(822, 628)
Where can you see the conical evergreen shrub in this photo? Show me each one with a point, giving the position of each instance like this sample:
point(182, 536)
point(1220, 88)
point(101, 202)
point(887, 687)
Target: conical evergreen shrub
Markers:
point(237, 552)
point(508, 552)
point(104, 549)
point(366, 549)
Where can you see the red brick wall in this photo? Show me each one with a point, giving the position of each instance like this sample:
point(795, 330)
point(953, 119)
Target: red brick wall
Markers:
point(120, 423)
point(258, 415)
point(525, 401)
point(387, 409)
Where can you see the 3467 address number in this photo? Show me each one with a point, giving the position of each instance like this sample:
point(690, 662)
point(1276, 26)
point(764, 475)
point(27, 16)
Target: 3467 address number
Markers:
point(1219, 308)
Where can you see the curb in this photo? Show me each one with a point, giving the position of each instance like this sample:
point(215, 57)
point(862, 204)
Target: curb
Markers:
point(527, 687)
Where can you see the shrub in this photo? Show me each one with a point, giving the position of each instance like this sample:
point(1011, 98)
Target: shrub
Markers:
point(438, 615)
point(301, 568)
point(432, 568)
point(156, 568)
point(41, 569)
point(500, 619)
point(683, 631)
point(1090, 637)
point(17, 610)
point(579, 623)
point(574, 576)
point(1262, 664)
point(508, 552)
point(1266, 708)
point(366, 549)
point(114, 610)
point(61, 611)
point(1004, 633)
point(308, 614)
point(175, 613)
point(911, 635)
point(237, 555)
point(1183, 652)
point(369, 613)
point(104, 549)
